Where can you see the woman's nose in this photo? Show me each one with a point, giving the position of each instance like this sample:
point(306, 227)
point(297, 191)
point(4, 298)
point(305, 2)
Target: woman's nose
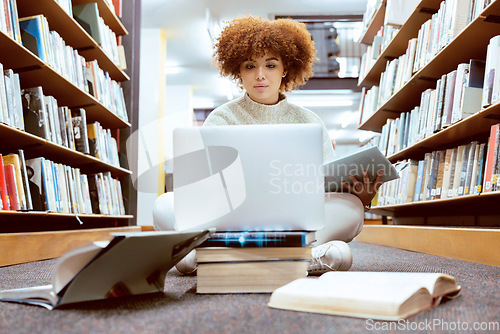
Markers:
point(260, 73)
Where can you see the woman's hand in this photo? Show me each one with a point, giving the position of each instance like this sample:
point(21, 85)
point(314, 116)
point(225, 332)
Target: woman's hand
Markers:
point(365, 190)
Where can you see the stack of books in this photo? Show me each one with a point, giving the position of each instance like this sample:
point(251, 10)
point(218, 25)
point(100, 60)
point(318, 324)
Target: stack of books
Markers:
point(252, 262)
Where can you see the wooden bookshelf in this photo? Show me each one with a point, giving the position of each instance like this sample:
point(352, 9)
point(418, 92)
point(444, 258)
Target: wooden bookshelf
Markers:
point(472, 241)
point(485, 203)
point(11, 139)
point(376, 22)
point(48, 245)
point(34, 228)
point(480, 245)
point(464, 131)
point(457, 51)
point(108, 15)
point(34, 72)
point(72, 33)
point(399, 43)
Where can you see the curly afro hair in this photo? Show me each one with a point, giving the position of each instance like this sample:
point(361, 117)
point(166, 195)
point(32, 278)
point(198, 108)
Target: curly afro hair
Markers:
point(252, 36)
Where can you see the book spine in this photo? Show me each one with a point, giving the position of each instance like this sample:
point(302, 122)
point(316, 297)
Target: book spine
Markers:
point(3, 186)
point(10, 177)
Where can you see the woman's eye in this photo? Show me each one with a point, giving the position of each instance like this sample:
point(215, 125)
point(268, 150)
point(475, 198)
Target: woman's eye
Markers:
point(250, 66)
point(271, 65)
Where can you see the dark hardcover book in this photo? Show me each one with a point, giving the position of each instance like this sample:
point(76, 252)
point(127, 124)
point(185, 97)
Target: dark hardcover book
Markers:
point(35, 112)
point(24, 176)
point(36, 173)
point(476, 73)
point(32, 35)
point(87, 16)
point(94, 196)
point(261, 239)
point(79, 121)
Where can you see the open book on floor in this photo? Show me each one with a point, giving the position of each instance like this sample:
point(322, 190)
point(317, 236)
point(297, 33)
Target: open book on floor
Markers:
point(131, 263)
point(374, 295)
point(367, 158)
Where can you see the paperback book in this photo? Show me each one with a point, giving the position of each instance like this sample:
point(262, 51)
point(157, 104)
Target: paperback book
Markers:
point(131, 263)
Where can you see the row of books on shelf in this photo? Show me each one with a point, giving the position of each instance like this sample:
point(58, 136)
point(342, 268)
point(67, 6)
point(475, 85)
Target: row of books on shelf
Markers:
point(437, 32)
point(33, 32)
point(88, 17)
point(458, 95)
point(86, 75)
point(380, 42)
point(252, 262)
point(464, 170)
point(31, 111)
point(42, 185)
point(371, 8)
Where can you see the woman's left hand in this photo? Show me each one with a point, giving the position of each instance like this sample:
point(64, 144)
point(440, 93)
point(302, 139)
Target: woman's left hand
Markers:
point(365, 190)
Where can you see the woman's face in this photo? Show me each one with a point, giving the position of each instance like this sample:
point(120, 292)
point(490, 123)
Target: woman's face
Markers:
point(261, 78)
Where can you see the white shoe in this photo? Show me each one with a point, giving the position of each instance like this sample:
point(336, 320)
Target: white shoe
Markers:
point(331, 256)
point(187, 265)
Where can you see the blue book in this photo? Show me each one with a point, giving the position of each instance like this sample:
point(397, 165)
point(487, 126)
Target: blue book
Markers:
point(32, 35)
point(261, 239)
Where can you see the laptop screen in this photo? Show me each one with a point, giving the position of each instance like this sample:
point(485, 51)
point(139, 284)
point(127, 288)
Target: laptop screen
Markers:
point(249, 177)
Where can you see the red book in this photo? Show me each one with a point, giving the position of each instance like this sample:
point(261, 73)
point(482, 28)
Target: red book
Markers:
point(3, 187)
point(491, 158)
point(10, 178)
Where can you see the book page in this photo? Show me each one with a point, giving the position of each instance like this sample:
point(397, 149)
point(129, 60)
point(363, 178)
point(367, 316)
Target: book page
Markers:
point(386, 280)
point(39, 295)
point(133, 263)
point(70, 263)
point(377, 295)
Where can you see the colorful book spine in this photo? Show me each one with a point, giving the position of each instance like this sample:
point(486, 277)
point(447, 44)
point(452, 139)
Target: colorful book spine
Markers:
point(260, 239)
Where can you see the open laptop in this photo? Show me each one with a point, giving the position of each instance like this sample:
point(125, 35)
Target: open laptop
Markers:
point(249, 177)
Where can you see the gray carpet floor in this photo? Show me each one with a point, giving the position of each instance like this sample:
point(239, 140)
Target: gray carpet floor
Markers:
point(180, 310)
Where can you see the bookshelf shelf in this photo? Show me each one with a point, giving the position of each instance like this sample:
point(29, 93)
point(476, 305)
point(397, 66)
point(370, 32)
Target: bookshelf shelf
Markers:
point(446, 60)
point(376, 22)
point(72, 33)
point(463, 131)
point(34, 72)
point(12, 139)
point(108, 15)
point(399, 43)
point(486, 203)
point(475, 210)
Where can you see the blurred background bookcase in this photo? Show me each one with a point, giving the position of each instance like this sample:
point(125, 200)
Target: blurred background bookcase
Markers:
point(33, 235)
point(464, 227)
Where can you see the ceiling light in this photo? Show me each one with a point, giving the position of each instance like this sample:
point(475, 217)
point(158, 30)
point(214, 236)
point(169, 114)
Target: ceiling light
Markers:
point(320, 101)
point(172, 69)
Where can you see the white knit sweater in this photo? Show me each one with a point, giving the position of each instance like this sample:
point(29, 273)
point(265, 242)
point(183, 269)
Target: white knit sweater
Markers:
point(246, 111)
